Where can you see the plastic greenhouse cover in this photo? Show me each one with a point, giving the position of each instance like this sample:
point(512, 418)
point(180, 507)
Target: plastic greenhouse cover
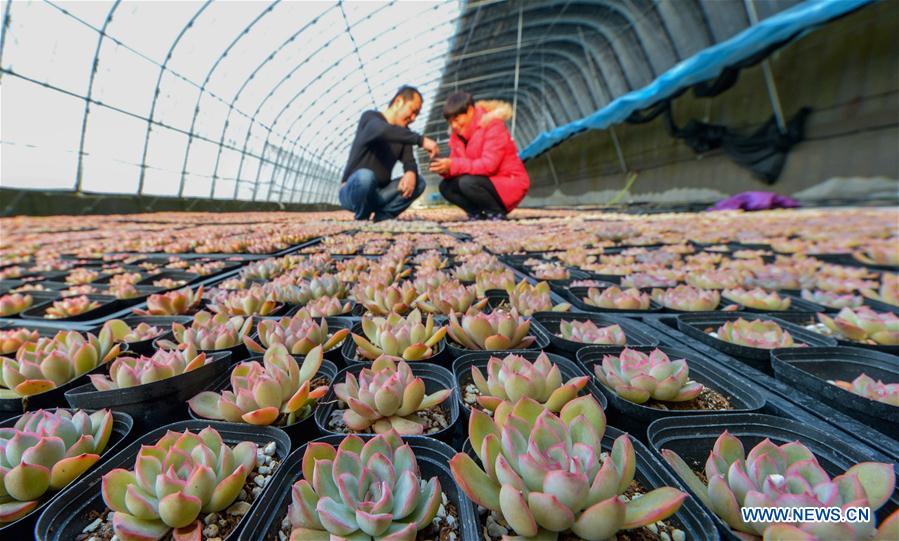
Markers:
point(704, 65)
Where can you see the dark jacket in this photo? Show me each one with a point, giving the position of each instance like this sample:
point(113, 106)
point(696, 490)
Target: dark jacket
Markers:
point(378, 145)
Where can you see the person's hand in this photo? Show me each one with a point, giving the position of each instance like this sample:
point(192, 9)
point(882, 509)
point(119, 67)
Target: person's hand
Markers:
point(431, 146)
point(407, 184)
point(441, 166)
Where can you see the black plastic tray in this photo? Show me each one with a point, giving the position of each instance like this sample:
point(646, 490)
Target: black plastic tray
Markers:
point(108, 306)
point(692, 438)
point(24, 527)
point(636, 333)
point(798, 305)
point(299, 432)
point(67, 515)
point(809, 369)
point(537, 331)
point(435, 378)
point(628, 415)
point(433, 457)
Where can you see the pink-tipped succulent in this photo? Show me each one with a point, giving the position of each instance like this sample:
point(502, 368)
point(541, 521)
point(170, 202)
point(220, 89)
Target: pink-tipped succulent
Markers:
point(787, 475)
point(884, 253)
point(11, 305)
point(122, 332)
point(362, 490)
point(528, 299)
point(264, 270)
point(499, 330)
point(587, 332)
point(866, 386)
point(472, 266)
point(125, 279)
point(81, 276)
point(429, 280)
point(431, 259)
point(47, 363)
point(638, 377)
point(756, 333)
point(249, 302)
point(327, 307)
point(12, 339)
point(45, 451)
point(687, 298)
point(758, 299)
point(773, 277)
point(613, 298)
point(70, 307)
point(327, 285)
point(175, 480)
point(503, 279)
point(888, 292)
point(128, 371)
point(450, 296)
point(277, 391)
point(210, 332)
point(716, 279)
point(385, 396)
point(123, 291)
point(407, 337)
point(513, 377)
point(544, 474)
point(173, 303)
point(384, 300)
point(299, 333)
point(864, 325)
point(833, 299)
point(550, 271)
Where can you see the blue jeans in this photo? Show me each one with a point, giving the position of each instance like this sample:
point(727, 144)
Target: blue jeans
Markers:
point(361, 196)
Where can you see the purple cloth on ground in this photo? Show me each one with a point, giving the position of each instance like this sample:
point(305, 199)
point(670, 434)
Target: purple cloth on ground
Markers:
point(756, 201)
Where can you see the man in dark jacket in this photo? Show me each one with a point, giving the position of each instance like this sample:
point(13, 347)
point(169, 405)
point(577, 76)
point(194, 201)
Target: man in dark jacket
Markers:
point(382, 139)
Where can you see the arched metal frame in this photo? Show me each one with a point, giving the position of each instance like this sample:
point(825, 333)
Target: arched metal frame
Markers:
point(575, 57)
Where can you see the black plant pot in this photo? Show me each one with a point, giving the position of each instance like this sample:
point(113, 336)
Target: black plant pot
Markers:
point(809, 369)
point(108, 306)
point(542, 342)
point(349, 358)
point(188, 277)
point(693, 437)
point(66, 516)
point(435, 378)
point(146, 347)
point(636, 333)
point(575, 296)
point(152, 404)
point(695, 326)
point(805, 320)
point(563, 286)
point(299, 432)
point(636, 418)
point(24, 527)
point(433, 457)
point(335, 323)
point(797, 306)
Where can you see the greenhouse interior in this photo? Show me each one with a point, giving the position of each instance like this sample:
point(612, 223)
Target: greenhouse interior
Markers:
point(461, 270)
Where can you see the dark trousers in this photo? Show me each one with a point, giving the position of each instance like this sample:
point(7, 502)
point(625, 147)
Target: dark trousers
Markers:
point(476, 195)
point(361, 195)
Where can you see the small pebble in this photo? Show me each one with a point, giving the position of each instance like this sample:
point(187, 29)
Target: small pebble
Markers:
point(256, 492)
point(441, 511)
point(265, 470)
point(269, 449)
point(260, 481)
point(210, 518)
point(451, 537)
point(239, 509)
point(92, 526)
point(211, 531)
point(678, 535)
point(281, 536)
point(214, 539)
point(451, 521)
point(116, 538)
point(653, 528)
point(665, 536)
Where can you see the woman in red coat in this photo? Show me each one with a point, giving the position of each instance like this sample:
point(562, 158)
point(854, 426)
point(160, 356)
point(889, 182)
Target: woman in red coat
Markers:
point(483, 174)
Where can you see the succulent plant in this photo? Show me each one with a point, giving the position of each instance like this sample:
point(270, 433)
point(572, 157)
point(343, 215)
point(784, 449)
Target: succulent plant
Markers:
point(327, 307)
point(544, 475)
point(864, 385)
point(125, 279)
point(755, 333)
point(210, 332)
point(785, 475)
point(550, 271)
point(299, 334)
point(12, 339)
point(385, 396)
point(173, 303)
point(128, 371)
point(279, 389)
point(122, 332)
point(362, 490)
point(450, 296)
point(327, 285)
point(832, 299)
point(427, 280)
point(613, 298)
point(81, 276)
point(123, 291)
point(638, 377)
point(863, 324)
point(879, 254)
point(512, 377)
point(45, 451)
point(469, 269)
point(528, 299)
point(13, 304)
point(264, 270)
point(248, 302)
point(687, 298)
point(407, 337)
point(384, 300)
point(47, 363)
point(720, 279)
point(75, 291)
point(587, 332)
point(888, 292)
point(758, 299)
point(773, 277)
point(499, 330)
point(70, 307)
point(174, 481)
point(502, 278)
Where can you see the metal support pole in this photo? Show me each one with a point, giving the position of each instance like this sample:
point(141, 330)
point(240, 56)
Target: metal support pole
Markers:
point(773, 96)
point(517, 68)
point(552, 168)
point(618, 150)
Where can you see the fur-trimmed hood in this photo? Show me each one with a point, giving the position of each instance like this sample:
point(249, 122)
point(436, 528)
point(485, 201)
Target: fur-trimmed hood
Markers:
point(494, 109)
